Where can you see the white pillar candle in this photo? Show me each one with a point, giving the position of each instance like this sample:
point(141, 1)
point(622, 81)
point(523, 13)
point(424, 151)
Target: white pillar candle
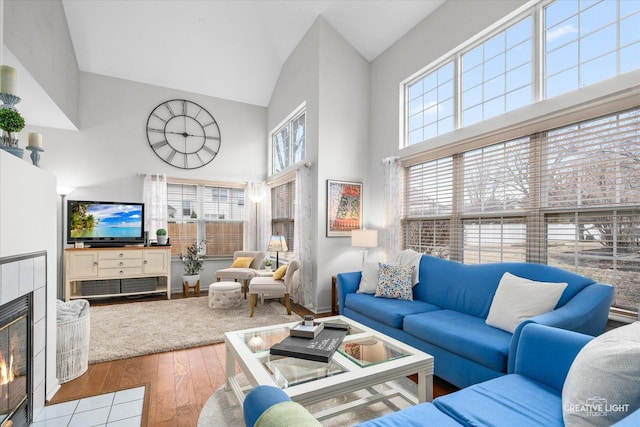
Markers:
point(8, 79)
point(35, 140)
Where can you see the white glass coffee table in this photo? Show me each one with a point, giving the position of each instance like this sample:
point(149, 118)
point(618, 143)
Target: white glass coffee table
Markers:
point(365, 358)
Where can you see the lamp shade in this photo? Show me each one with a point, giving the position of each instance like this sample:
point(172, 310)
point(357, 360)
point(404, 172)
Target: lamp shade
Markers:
point(277, 244)
point(364, 238)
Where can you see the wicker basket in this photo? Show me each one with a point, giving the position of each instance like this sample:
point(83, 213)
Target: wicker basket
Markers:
point(72, 355)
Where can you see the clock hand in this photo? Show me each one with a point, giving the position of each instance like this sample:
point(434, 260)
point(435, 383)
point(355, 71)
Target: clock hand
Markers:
point(180, 133)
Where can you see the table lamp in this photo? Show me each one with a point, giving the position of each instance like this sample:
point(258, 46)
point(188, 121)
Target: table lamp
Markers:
point(364, 239)
point(277, 244)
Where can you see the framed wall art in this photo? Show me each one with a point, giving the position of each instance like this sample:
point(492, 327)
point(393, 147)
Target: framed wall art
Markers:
point(344, 207)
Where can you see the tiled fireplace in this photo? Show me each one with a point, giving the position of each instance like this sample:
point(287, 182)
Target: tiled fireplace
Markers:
point(22, 337)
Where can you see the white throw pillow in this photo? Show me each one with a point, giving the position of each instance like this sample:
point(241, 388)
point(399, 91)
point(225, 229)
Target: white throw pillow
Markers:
point(603, 383)
point(517, 299)
point(369, 279)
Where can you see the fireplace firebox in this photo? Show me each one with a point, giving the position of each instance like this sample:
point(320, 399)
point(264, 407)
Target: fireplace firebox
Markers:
point(16, 362)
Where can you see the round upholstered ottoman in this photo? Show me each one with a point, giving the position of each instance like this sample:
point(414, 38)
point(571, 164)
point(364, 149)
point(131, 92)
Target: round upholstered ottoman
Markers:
point(224, 295)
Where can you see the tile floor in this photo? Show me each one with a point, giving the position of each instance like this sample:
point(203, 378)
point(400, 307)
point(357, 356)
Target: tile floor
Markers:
point(118, 409)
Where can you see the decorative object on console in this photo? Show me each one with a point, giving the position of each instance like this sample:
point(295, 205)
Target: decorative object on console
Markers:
point(183, 134)
point(364, 239)
point(344, 207)
point(277, 244)
point(35, 146)
point(161, 236)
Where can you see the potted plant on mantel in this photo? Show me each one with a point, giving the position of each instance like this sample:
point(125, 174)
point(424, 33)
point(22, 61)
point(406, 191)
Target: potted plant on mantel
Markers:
point(11, 121)
point(193, 264)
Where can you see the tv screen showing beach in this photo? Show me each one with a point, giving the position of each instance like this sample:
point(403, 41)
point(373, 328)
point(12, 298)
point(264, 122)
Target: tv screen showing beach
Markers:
point(104, 220)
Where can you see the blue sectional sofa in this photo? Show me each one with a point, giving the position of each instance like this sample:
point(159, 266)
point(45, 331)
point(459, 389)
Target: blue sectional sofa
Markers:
point(450, 305)
point(530, 396)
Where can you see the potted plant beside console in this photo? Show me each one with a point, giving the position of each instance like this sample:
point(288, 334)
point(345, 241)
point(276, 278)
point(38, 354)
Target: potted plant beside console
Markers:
point(193, 264)
point(161, 236)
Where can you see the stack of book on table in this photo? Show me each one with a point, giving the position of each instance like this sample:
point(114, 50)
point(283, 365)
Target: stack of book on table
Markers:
point(317, 342)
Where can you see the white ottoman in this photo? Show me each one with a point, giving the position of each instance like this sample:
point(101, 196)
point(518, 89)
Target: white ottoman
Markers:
point(224, 295)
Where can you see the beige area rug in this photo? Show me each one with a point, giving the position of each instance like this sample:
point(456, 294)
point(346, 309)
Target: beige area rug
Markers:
point(120, 331)
point(223, 410)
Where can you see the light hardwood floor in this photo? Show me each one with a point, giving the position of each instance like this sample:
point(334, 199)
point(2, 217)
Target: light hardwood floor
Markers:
point(178, 383)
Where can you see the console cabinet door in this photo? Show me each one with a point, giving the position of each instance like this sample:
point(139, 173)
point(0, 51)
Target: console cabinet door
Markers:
point(156, 261)
point(82, 264)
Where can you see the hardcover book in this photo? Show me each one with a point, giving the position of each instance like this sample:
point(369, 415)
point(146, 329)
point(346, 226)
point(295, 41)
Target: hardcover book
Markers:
point(320, 348)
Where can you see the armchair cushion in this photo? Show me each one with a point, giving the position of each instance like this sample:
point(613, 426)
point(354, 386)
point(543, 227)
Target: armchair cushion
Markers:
point(280, 272)
point(242, 262)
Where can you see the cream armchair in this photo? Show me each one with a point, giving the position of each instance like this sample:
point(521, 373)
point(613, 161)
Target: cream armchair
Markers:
point(242, 274)
point(270, 286)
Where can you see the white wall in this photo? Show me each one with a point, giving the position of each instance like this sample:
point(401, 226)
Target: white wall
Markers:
point(28, 224)
point(36, 32)
point(450, 25)
point(103, 159)
point(333, 79)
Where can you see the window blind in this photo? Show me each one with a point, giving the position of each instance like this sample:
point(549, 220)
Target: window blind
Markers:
point(282, 211)
point(568, 197)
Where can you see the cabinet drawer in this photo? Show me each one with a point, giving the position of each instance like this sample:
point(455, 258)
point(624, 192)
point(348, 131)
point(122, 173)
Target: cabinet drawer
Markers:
point(120, 263)
point(120, 255)
point(119, 272)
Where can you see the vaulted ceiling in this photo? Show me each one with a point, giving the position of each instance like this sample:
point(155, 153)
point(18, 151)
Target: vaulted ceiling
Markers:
point(227, 49)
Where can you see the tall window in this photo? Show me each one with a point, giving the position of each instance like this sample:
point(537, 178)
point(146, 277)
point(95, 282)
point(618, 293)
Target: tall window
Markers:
point(288, 143)
point(496, 75)
point(431, 104)
point(567, 197)
point(581, 43)
point(589, 41)
point(211, 216)
point(283, 210)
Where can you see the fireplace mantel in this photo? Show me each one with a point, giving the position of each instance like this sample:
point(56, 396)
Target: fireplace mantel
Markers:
point(29, 254)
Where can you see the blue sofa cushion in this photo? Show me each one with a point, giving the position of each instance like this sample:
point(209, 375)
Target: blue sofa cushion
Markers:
point(512, 400)
point(388, 311)
point(413, 416)
point(462, 334)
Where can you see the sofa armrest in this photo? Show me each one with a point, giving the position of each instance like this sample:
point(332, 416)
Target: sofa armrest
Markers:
point(587, 312)
point(347, 283)
point(268, 406)
point(535, 360)
point(259, 400)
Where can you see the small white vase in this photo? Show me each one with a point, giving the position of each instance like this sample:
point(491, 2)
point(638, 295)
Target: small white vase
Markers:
point(162, 240)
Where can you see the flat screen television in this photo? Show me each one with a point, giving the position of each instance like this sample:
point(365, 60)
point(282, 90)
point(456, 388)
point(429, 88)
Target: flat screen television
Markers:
point(104, 224)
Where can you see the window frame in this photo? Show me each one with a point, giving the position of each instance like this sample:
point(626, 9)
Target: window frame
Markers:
point(540, 109)
point(287, 125)
point(617, 131)
point(234, 194)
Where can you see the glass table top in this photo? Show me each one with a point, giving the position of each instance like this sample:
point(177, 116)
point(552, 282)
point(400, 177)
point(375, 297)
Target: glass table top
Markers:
point(290, 371)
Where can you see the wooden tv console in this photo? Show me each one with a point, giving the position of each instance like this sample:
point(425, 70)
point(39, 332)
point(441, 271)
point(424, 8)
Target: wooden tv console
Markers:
point(113, 272)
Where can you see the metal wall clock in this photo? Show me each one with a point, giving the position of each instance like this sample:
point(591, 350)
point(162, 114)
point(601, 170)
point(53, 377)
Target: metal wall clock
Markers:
point(183, 134)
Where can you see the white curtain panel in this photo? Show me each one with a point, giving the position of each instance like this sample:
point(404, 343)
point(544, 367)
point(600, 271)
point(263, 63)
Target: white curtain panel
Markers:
point(393, 202)
point(264, 217)
point(257, 218)
point(155, 202)
point(302, 235)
